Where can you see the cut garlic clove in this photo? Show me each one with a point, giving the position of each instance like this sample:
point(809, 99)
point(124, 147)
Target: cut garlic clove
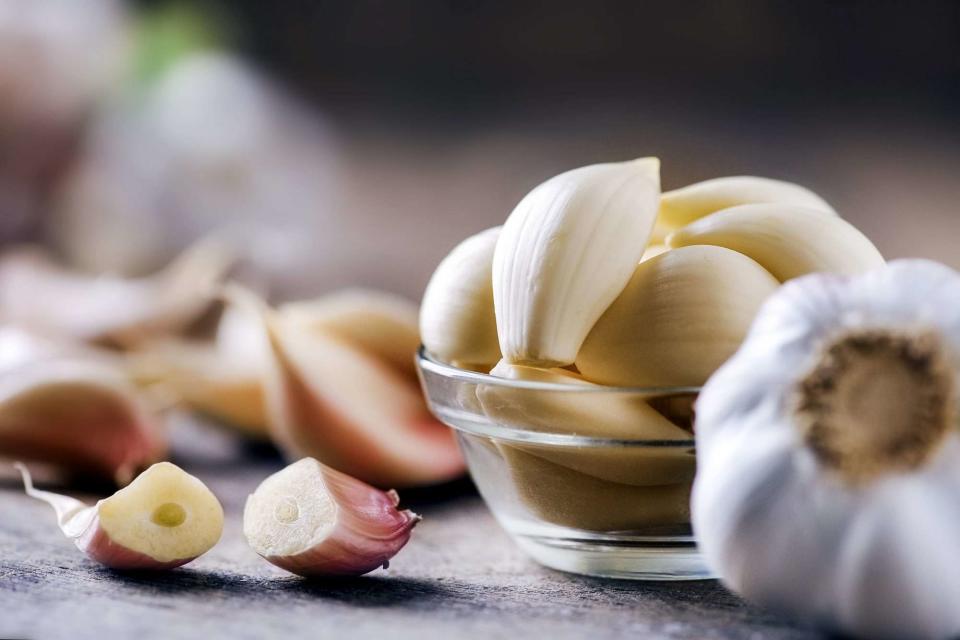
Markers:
point(566, 252)
point(788, 241)
point(457, 321)
point(164, 519)
point(36, 292)
point(312, 520)
point(680, 317)
point(349, 408)
point(685, 205)
point(373, 321)
point(80, 416)
point(571, 499)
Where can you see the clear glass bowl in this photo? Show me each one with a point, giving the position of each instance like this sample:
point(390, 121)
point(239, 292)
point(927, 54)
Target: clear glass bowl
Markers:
point(572, 497)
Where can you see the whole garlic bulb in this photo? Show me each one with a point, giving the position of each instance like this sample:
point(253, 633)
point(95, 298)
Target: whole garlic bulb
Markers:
point(829, 454)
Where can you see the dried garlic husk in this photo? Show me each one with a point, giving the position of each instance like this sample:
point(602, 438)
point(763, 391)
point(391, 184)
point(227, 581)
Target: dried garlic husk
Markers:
point(829, 454)
point(38, 293)
point(349, 407)
point(315, 521)
point(165, 518)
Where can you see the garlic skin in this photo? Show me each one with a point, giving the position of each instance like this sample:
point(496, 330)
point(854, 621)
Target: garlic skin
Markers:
point(687, 204)
point(79, 415)
point(829, 455)
point(787, 240)
point(681, 315)
point(457, 320)
point(38, 293)
point(164, 519)
point(312, 520)
point(566, 252)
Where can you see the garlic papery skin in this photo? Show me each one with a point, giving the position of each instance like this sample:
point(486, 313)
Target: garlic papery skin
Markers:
point(829, 455)
point(457, 320)
point(566, 252)
point(787, 240)
point(687, 204)
point(38, 293)
point(681, 315)
point(164, 519)
point(80, 416)
point(313, 521)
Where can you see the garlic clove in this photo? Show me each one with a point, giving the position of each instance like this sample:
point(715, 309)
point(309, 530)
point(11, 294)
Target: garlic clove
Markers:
point(568, 498)
point(349, 408)
point(78, 415)
point(373, 321)
point(788, 241)
point(653, 251)
point(164, 519)
point(566, 252)
point(457, 321)
point(682, 314)
point(312, 520)
point(36, 292)
point(685, 205)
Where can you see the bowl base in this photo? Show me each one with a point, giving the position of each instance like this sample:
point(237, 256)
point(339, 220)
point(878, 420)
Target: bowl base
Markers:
point(622, 560)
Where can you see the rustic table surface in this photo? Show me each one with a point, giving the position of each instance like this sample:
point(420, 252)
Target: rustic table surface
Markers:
point(460, 576)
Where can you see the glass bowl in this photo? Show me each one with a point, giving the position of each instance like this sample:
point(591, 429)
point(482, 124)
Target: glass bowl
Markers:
point(574, 498)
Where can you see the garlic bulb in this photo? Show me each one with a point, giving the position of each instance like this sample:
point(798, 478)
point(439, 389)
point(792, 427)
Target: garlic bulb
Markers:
point(457, 321)
point(829, 454)
point(787, 240)
point(315, 521)
point(566, 252)
point(682, 206)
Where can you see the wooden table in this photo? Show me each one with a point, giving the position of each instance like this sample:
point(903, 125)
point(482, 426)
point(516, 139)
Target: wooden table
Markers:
point(460, 576)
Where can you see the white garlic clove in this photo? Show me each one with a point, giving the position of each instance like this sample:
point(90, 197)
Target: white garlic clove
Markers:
point(373, 321)
point(350, 408)
point(788, 241)
point(164, 519)
point(829, 456)
point(685, 205)
point(653, 251)
point(81, 416)
point(38, 293)
point(566, 252)
point(312, 520)
point(681, 315)
point(457, 321)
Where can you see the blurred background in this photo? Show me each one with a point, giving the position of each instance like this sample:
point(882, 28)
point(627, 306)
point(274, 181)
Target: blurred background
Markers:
point(355, 143)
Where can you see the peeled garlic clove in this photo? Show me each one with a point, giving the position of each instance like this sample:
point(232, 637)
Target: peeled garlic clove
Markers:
point(653, 251)
point(164, 519)
point(683, 206)
point(81, 416)
point(788, 241)
point(680, 317)
point(36, 292)
point(566, 252)
point(568, 498)
point(315, 521)
point(457, 321)
point(373, 321)
point(349, 408)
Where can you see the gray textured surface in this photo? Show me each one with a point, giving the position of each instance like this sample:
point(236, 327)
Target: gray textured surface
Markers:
point(460, 576)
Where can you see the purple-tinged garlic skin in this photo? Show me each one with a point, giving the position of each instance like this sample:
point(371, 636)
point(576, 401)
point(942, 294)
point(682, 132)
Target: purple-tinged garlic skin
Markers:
point(352, 530)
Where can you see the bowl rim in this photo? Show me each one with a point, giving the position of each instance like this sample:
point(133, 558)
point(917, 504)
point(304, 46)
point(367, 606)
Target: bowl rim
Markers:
point(428, 362)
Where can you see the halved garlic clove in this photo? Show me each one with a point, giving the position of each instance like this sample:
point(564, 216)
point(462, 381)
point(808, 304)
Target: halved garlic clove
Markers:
point(566, 252)
point(681, 316)
point(788, 241)
point(36, 292)
point(315, 521)
point(349, 408)
point(80, 416)
point(373, 321)
point(164, 519)
point(687, 204)
point(457, 321)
